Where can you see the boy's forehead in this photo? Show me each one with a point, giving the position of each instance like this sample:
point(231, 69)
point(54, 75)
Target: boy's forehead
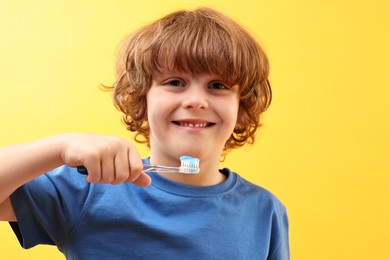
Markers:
point(175, 72)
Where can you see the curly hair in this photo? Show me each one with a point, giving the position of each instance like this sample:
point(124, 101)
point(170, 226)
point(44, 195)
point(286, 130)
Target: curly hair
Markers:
point(198, 41)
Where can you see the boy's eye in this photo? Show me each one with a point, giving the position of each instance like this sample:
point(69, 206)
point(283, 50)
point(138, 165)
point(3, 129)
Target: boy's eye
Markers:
point(175, 83)
point(218, 85)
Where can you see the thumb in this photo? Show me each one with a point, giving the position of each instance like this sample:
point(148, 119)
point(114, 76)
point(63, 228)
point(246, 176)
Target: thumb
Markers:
point(143, 180)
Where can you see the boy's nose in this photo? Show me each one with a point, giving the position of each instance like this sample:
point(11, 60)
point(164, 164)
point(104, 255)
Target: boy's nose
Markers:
point(195, 98)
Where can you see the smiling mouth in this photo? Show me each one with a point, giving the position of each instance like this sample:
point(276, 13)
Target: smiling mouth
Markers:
point(193, 124)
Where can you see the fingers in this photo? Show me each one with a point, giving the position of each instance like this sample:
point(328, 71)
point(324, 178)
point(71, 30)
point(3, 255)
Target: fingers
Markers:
point(135, 164)
point(121, 169)
point(108, 171)
point(114, 161)
point(143, 180)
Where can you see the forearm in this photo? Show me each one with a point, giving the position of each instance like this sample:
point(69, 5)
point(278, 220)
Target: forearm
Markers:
point(24, 162)
point(108, 160)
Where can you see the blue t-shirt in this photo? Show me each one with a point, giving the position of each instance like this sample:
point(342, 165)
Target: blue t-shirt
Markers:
point(167, 220)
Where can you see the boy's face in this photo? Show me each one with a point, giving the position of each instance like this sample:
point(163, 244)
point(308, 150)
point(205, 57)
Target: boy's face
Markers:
point(190, 115)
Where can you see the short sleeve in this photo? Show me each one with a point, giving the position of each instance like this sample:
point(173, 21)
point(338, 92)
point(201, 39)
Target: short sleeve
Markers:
point(48, 207)
point(279, 235)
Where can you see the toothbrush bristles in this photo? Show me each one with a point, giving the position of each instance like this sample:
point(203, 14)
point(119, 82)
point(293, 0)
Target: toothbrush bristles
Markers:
point(189, 165)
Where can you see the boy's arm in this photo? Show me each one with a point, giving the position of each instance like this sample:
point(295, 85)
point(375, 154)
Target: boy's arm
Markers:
point(108, 160)
point(21, 163)
point(7, 211)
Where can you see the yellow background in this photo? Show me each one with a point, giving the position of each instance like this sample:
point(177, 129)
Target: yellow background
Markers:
point(324, 149)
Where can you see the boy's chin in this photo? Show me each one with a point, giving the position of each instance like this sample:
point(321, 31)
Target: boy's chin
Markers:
point(189, 151)
point(197, 152)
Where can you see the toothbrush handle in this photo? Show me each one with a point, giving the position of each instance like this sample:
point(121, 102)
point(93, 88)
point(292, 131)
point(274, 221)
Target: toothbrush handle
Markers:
point(147, 168)
point(82, 170)
point(160, 168)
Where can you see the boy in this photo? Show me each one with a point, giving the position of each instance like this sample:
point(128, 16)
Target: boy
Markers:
point(192, 83)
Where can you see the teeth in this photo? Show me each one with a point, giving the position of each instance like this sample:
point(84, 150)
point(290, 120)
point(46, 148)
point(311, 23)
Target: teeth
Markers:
point(198, 125)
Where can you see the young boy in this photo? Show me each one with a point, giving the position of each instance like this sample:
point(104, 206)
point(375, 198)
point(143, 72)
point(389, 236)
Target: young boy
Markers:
point(192, 83)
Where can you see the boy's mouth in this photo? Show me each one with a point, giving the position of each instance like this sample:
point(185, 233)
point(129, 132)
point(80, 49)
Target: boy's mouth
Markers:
point(194, 124)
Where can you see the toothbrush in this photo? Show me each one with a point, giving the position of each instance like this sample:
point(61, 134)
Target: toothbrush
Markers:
point(189, 165)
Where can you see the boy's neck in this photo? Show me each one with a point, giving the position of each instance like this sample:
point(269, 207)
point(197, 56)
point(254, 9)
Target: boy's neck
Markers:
point(204, 178)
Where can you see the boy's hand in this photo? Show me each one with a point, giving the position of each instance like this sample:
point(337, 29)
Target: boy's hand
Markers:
point(108, 159)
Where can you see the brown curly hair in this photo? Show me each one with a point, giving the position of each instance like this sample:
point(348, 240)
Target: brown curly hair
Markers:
point(198, 41)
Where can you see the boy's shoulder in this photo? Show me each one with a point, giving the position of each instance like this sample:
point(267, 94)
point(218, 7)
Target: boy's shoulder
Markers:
point(255, 192)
